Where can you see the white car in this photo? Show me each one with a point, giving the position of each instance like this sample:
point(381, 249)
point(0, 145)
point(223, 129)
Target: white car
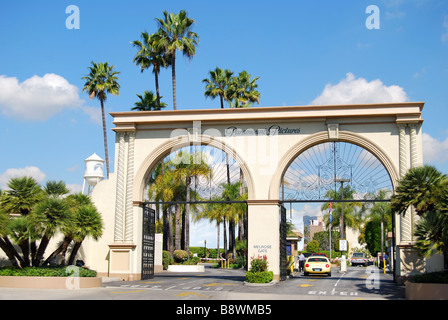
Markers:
point(358, 258)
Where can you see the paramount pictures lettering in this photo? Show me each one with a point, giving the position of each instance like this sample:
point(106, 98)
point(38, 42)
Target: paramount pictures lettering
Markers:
point(273, 130)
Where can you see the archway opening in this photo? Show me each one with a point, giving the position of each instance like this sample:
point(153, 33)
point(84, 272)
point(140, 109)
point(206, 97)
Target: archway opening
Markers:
point(339, 190)
point(199, 195)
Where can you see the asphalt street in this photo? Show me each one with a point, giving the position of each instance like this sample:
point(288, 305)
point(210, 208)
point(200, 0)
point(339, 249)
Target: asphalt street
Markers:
point(357, 283)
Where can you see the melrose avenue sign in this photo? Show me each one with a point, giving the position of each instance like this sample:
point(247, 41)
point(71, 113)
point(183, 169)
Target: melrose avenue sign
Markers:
point(273, 130)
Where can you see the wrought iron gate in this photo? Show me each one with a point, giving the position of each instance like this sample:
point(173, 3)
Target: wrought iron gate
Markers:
point(282, 243)
point(148, 237)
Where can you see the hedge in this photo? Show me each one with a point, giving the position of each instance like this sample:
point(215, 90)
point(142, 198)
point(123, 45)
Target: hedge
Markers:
point(46, 272)
point(259, 277)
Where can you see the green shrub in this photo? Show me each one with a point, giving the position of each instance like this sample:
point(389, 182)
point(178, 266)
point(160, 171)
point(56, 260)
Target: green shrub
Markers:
point(259, 277)
point(180, 256)
point(166, 259)
point(192, 261)
point(433, 277)
point(47, 272)
point(313, 246)
point(259, 264)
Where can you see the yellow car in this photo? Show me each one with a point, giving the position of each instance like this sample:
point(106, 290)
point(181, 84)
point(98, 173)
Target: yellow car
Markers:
point(317, 265)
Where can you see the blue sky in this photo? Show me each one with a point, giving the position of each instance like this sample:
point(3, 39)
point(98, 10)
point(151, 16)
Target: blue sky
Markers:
point(299, 49)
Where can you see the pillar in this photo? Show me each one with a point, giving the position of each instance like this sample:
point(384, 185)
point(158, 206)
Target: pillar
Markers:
point(264, 233)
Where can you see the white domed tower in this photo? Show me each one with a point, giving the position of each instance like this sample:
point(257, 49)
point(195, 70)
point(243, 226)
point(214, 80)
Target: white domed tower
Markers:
point(94, 172)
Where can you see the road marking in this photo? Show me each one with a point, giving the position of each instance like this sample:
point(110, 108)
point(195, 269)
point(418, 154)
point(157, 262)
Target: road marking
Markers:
point(184, 294)
point(305, 285)
point(218, 284)
point(339, 280)
point(134, 291)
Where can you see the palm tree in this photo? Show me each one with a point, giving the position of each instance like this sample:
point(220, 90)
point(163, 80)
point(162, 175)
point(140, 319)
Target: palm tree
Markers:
point(423, 188)
point(149, 102)
point(218, 84)
point(88, 222)
point(102, 80)
point(187, 166)
point(343, 213)
point(242, 91)
point(23, 195)
point(74, 201)
point(381, 211)
point(45, 220)
point(176, 34)
point(213, 211)
point(234, 211)
point(150, 54)
point(432, 234)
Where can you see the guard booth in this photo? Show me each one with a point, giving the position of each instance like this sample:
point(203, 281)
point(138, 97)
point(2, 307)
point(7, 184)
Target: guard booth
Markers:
point(265, 143)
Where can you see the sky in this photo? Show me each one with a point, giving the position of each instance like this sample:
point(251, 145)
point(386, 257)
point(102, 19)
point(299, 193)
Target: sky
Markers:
point(305, 52)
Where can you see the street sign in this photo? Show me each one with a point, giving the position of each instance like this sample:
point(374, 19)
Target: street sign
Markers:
point(342, 245)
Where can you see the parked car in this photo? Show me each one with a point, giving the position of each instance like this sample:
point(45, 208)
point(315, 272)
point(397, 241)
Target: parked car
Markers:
point(359, 258)
point(317, 265)
point(319, 254)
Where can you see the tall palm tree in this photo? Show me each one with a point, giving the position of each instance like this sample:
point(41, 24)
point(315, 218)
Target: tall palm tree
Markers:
point(343, 213)
point(176, 34)
point(381, 211)
point(151, 54)
point(148, 102)
point(186, 167)
point(218, 84)
point(242, 90)
point(101, 81)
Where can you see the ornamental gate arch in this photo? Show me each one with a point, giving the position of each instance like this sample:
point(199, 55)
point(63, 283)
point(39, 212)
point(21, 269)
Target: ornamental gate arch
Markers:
point(264, 141)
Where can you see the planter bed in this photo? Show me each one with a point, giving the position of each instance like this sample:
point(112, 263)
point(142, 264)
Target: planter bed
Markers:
point(50, 282)
point(426, 291)
point(185, 268)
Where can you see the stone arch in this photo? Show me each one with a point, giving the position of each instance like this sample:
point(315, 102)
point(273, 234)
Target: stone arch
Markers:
point(165, 148)
point(322, 137)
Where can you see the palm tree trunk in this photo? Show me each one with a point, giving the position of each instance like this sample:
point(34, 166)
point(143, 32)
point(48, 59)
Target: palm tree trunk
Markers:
point(225, 237)
point(170, 233)
point(218, 226)
point(25, 247)
point(105, 139)
point(156, 75)
point(173, 70)
point(177, 228)
point(61, 249)
point(40, 252)
point(74, 252)
point(9, 251)
point(187, 216)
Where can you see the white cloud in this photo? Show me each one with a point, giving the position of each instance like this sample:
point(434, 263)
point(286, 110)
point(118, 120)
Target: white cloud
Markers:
point(37, 98)
point(74, 188)
point(34, 172)
point(445, 29)
point(434, 151)
point(352, 90)
point(94, 114)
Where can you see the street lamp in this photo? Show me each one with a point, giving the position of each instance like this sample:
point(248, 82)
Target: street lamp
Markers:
point(341, 227)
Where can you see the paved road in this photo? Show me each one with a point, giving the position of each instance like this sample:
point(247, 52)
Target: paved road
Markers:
point(355, 284)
